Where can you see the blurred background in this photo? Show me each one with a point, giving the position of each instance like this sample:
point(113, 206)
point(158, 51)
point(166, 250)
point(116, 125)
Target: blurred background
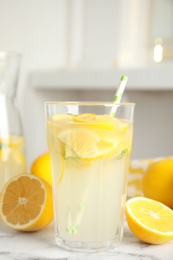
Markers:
point(78, 50)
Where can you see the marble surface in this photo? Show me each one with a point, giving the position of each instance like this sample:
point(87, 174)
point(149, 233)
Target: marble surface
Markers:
point(40, 245)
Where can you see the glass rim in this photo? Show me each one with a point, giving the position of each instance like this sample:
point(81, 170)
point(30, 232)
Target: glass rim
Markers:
point(91, 103)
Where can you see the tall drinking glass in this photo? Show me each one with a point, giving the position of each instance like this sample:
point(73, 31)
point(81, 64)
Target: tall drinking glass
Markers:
point(90, 153)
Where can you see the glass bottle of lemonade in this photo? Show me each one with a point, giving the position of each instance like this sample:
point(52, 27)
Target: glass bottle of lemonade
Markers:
point(12, 154)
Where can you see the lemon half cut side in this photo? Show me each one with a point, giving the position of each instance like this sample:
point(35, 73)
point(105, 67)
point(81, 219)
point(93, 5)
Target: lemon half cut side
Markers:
point(26, 203)
point(149, 220)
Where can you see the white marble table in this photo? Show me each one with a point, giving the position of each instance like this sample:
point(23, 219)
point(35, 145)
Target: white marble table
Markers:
point(40, 245)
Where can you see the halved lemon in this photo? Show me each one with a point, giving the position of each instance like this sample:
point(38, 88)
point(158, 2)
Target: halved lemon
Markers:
point(26, 203)
point(149, 220)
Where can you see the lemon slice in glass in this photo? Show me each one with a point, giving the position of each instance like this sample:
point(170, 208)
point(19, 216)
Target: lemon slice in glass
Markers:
point(92, 120)
point(85, 144)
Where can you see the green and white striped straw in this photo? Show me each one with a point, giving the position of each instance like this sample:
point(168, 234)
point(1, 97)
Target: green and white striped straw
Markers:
point(119, 93)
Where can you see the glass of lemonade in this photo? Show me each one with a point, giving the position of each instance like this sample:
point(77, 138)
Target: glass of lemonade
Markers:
point(90, 149)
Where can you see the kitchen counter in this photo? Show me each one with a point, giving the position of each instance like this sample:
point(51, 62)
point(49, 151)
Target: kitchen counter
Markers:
point(40, 245)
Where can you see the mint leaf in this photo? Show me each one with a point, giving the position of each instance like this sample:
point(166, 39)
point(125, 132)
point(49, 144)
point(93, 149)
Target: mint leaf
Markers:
point(122, 154)
point(72, 229)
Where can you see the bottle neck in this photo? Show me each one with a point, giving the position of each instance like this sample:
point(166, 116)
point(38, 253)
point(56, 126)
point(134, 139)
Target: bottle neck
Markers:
point(9, 72)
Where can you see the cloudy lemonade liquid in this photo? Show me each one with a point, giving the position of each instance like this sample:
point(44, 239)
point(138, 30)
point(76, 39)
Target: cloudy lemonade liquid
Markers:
point(90, 155)
point(12, 157)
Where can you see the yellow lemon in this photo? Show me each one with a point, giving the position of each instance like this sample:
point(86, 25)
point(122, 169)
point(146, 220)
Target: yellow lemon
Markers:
point(62, 117)
point(41, 167)
point(157, 181)
point(85, 117)
point(85, 144)
point(149, 220)
point(26, 203)
point(92, 120)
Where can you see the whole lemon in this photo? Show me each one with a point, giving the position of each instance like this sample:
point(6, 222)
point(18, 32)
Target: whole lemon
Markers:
point(157, 181)
point(41, 167)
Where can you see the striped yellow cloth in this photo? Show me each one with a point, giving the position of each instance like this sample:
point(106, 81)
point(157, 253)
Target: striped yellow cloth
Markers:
point(136, 172)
